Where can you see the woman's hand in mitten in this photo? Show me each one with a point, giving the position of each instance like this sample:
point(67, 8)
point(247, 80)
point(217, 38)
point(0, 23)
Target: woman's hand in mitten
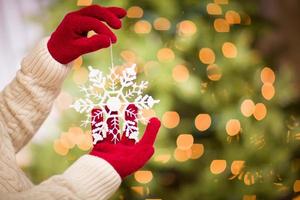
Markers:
point(70, 40)
point(126, 156)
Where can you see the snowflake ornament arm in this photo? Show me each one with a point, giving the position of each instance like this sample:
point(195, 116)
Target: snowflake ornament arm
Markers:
point(109, 98)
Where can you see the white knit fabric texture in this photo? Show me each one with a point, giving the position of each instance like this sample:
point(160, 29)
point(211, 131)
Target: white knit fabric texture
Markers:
point(24, 105)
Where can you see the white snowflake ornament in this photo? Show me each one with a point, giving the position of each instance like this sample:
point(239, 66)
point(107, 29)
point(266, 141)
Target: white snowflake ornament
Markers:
point(112, 95)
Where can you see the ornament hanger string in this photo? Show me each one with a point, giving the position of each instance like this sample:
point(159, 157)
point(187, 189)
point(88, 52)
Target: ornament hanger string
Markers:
point(111, 54)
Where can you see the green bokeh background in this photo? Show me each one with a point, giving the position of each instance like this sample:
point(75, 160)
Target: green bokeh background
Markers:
point(192, 180)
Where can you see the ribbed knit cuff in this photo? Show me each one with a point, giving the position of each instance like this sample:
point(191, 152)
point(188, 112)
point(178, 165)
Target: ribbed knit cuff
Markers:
point(41, 66)
point(93, 178)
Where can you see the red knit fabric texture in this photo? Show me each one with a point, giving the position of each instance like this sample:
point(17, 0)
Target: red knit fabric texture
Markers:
point(127, 156)
point(69, 41)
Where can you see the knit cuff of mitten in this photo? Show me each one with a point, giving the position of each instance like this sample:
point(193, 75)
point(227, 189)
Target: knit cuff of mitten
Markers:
point(42, 67)
point(93, 178)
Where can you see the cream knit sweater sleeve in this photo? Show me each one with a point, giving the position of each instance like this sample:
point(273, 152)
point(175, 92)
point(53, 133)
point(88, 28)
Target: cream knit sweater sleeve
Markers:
point(24, 105)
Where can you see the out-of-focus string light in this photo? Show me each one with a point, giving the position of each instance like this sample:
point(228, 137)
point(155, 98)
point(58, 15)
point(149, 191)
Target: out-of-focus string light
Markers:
point(182, 155)
point(233, 17)
point(249, 197)
point(237, 166)
point(170, 119)
point(165, 55)
point(80, 76)
point(202, 122)
point(249, 178)
point(221, 25)
point(84, 2)
point(260, 111)
point(163, 158)
point(143, 177)
point(267, 75)
point(247, 107)
point(214, 9)
point(185, 141)
point(59, 148)
point(229, 50)
point(296, 186)
point(207, 56)
point(128, 56)
point(85, 142)
point(180, 73)
point(214, 72)
point(162, 24)
point(141, 190)
point(197, 151)
point(221, 1)
point(74, 136)
point(233, 127)
point(186, 28)
point(218, 166)
point(142, 27)
point(268, 91)
point(135, 12)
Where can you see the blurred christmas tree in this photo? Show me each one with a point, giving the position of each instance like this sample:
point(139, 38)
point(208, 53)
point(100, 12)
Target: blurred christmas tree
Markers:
point(225, 132)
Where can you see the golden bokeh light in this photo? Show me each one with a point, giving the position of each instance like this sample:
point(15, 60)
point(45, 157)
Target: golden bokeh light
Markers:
point(59, 148)
point(268, 91)
point(128, 56)
point(233, 17)
point(202, 122)
point(233, 127)
point(75, 134)
point(84, 2)
point(170, 119)
point(229, 50)
point(267, 75)
point(165, 55)
point(221, 25)
point(297, 186)
point(207, 56)
point(66, 140)
point(247, 107)
point(162, 24)
point(197, 151)
point(221, 1)
point(143, 177)
point(186, 28)
point(214, 72)
point(249, 179)
point(85, 142)
point(163, 158)
point(185, 141)
point(182, 155)
point(135, 12)
point(218, 166)
point(148, 113)
point(142, 27)
point(180, 73)
point(260, 111)
point(249, 197)
point(213, 9)
point(80, 76)
point(237, 166)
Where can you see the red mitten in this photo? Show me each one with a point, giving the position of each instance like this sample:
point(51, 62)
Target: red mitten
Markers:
point(70, 41)
point(126, 156)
